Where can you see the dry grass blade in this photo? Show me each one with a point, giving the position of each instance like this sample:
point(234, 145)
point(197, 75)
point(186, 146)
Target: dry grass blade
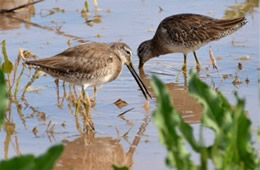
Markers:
point(48, 126)
point(25, 54)
point(122, 114)
point(36, 75)
point(212, 59)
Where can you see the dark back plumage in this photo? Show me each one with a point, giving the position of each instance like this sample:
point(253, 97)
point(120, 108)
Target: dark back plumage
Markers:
point(191, 28)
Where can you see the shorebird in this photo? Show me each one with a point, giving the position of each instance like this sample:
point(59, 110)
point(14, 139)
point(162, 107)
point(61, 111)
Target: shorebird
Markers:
point(92, 64)
point(185, 33)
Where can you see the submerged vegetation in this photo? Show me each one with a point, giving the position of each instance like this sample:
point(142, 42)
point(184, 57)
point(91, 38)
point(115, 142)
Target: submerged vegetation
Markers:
point(28, 162)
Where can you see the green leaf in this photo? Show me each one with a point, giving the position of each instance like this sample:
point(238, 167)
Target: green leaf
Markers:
point(18, 163)
point(258, 135)
point(86, 6)
point(232, 147)
point(212, 103)
point(3, 97)
point(233, 142)
point(29, 162)
point(172, 129)
point(47, 161)
point(7, 66)
point(120, 168)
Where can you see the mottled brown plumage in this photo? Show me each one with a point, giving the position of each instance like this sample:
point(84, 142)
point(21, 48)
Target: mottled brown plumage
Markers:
point(185, 33)
point(90, 64)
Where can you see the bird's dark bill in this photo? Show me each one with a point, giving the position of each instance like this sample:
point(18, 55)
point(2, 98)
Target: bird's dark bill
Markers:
point(139, 81)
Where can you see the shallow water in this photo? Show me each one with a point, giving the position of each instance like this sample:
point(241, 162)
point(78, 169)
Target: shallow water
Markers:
point(131, 22)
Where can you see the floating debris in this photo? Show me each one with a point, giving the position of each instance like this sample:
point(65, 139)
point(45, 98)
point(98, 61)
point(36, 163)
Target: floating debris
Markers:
point(218, 58)
point(35, 131)
point(99, 36)
point(227, 76)
point(247, 80)
point(120, 103)
point(64, 124)
point(240, 66)
point(237, 81)
point(244, 58)
point(160, 9)
point(42, 116)
point(151, 30)
point(69, 43)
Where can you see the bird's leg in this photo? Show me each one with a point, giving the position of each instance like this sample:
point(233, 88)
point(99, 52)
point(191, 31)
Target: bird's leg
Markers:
point(57, 90)
point(96, 88)
point(86, 98)
point(93, 98)
point(184, 67)
point(197, 61)
point(87, 117)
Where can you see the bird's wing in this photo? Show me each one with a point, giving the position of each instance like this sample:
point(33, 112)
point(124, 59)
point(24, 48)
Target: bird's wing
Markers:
point(85, 59)
point(192, 27)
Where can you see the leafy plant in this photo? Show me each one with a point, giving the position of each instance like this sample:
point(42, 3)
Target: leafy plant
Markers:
point(29, 162)
point(7, 66)
point(119, 168)
point(26, 162)
point(3, 98)
point(232, 147)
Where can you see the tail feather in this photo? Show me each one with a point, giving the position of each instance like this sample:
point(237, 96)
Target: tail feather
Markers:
point(226, 27)
point(238, 22)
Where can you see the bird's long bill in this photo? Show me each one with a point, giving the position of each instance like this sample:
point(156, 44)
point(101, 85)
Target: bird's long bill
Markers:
point(139, 81)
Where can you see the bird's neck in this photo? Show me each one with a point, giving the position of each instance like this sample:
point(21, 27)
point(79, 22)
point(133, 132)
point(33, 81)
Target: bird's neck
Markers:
point(157, 48)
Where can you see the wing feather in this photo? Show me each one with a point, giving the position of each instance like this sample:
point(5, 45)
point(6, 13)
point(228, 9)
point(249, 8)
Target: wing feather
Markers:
point(86, 58)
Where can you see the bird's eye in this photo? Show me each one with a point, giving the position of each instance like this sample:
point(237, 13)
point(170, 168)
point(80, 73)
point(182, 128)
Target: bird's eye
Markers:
point(128, 52)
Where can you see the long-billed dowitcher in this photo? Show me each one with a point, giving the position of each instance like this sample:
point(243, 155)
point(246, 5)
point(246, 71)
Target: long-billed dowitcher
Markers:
point(90, 64)
point(185, 33)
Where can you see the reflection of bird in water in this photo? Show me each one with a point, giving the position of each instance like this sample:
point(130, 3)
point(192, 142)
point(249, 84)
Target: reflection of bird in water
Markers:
point(90, 152)
point(185, 33)
point(187, 106)
point(8, 21)
point(91, 64)
point(95, 153)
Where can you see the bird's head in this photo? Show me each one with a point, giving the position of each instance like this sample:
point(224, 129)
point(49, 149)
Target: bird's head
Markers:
point(124, 52)
point(144, 52)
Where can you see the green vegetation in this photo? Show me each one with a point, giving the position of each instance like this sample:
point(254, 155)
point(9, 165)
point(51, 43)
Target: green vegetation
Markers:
point(119, 168)
point(3, 98)
point(7, 66)
point(26, 162)
point(232, 147)
point(29, 162)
